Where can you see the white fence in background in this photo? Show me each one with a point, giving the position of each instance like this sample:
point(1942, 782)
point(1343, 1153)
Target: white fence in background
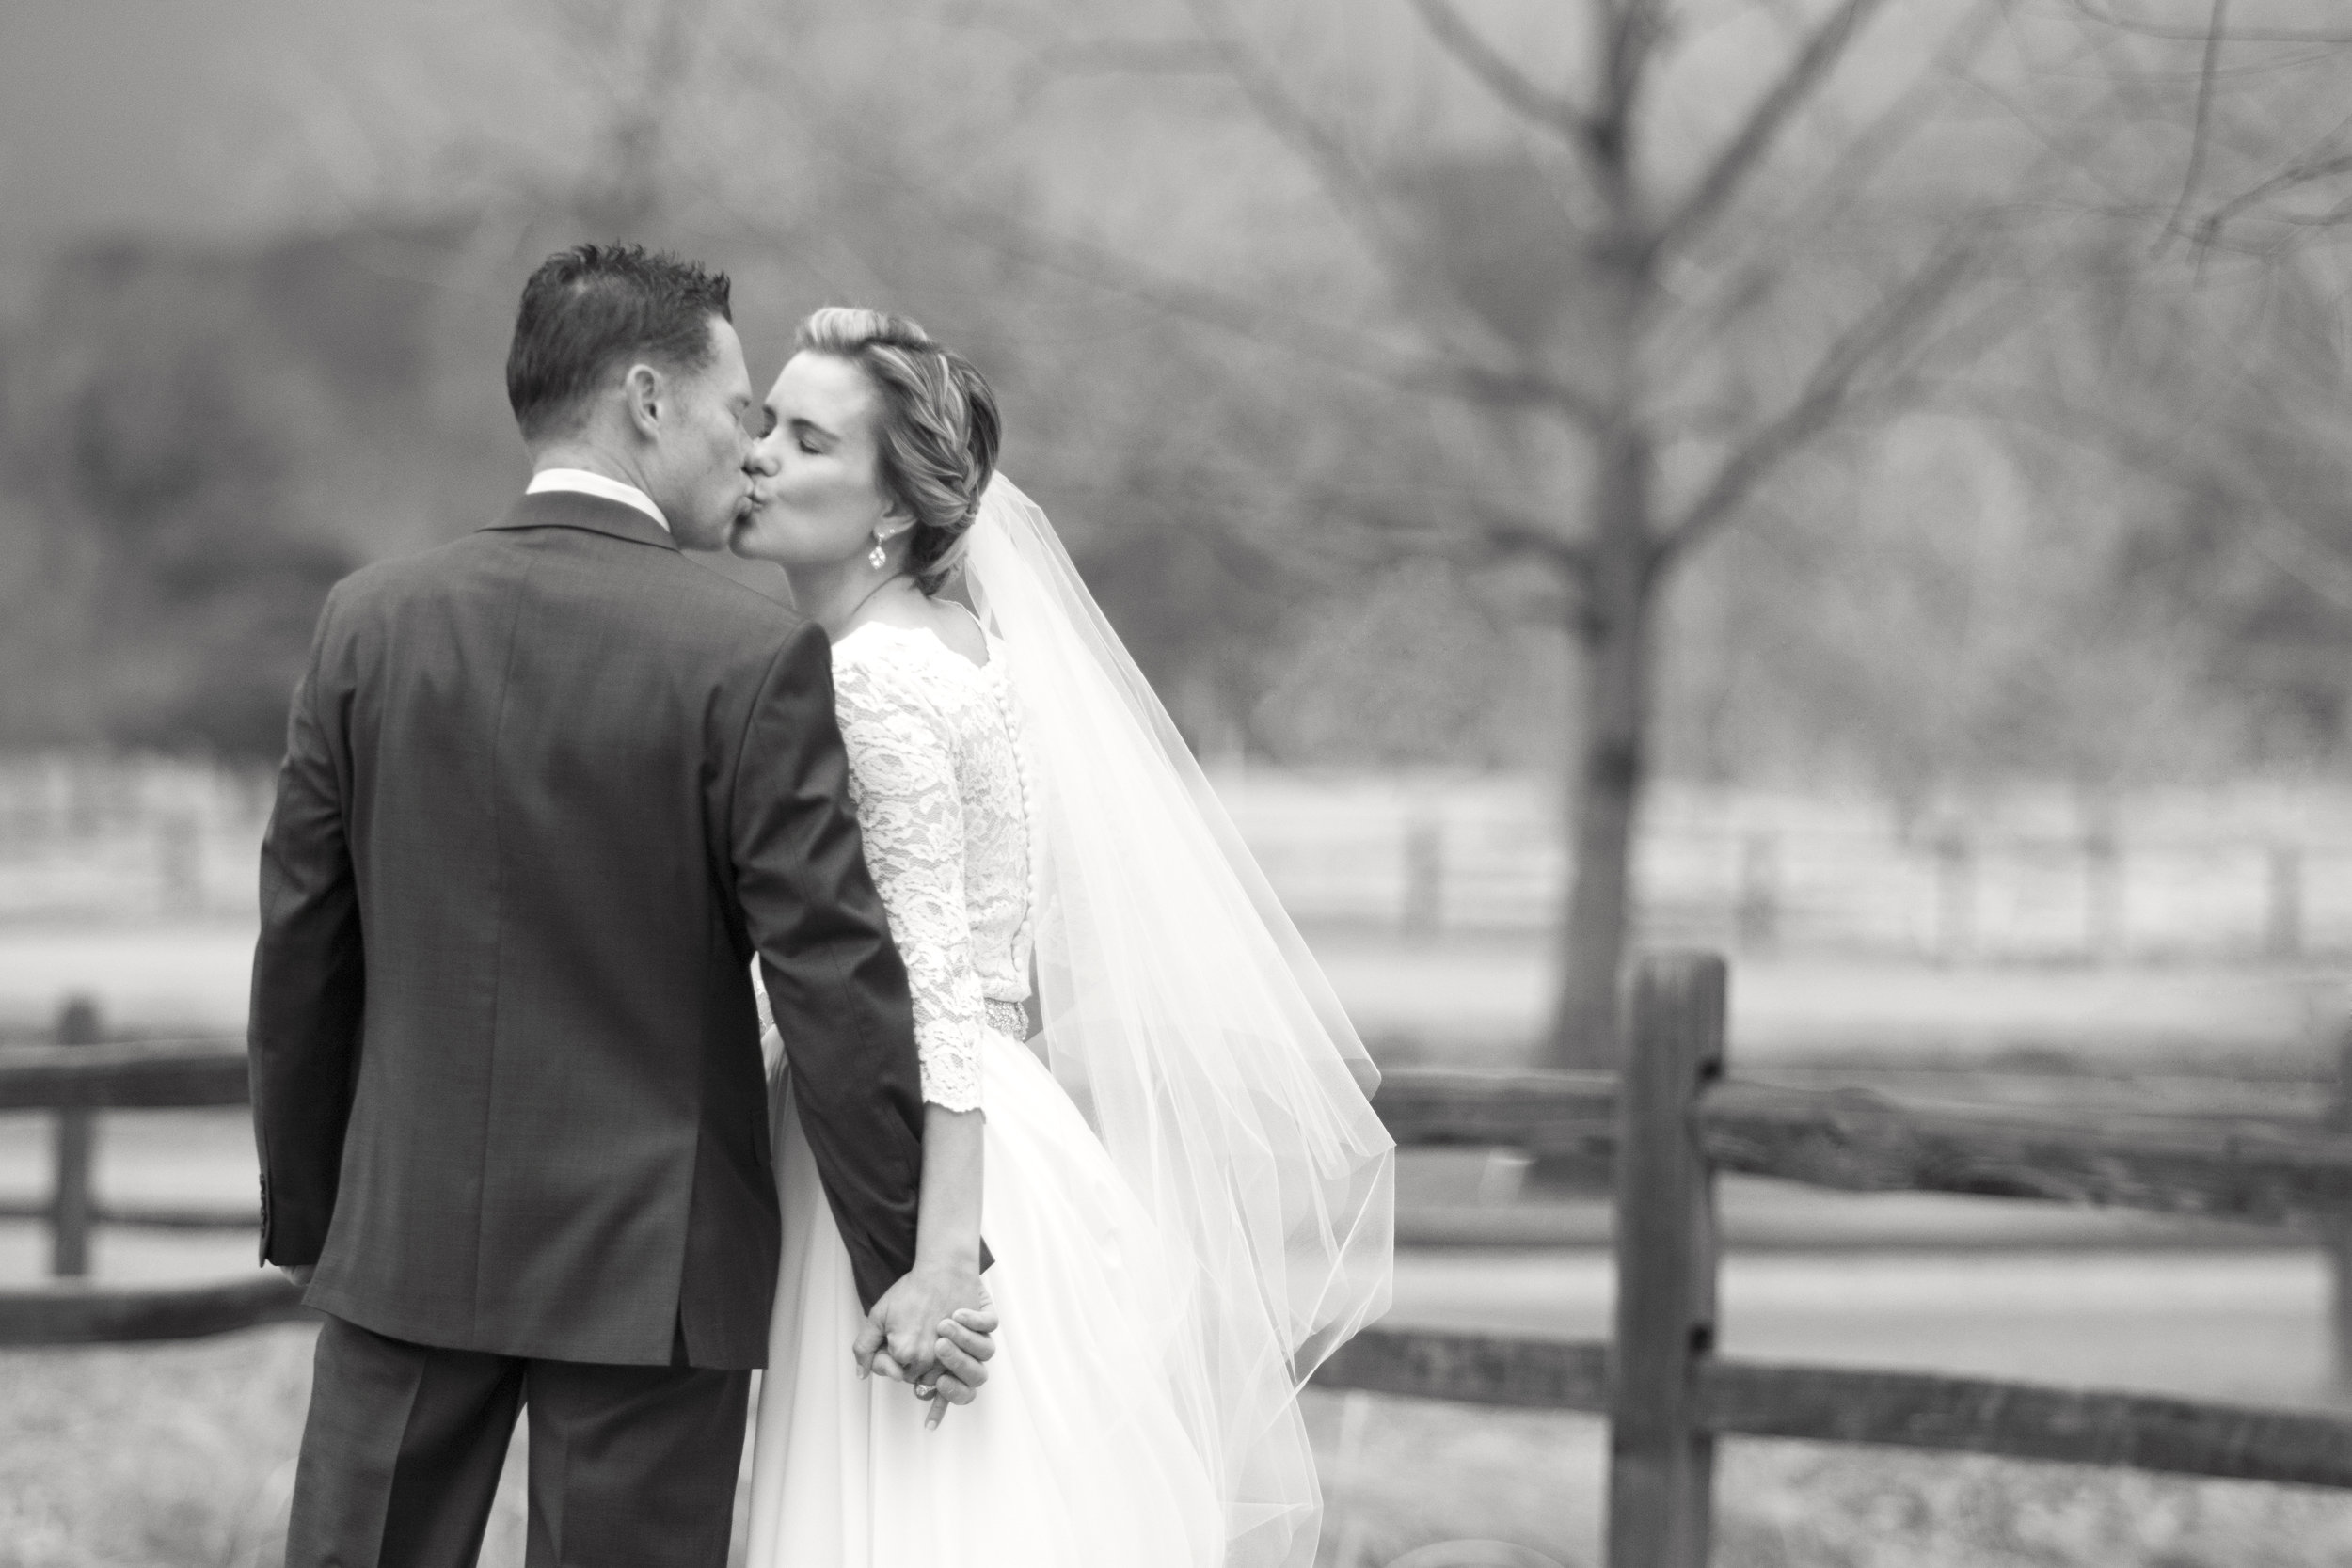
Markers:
point(110, 838)
point(2251, 872)
point(2254, 872)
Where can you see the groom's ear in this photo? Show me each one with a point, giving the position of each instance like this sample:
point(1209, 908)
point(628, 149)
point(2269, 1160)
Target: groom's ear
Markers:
point(646, 394)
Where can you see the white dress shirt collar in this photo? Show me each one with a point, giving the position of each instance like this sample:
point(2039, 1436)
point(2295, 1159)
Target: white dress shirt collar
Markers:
point(588, 484)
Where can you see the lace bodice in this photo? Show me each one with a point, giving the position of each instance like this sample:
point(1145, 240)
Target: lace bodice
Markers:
point(936, 776)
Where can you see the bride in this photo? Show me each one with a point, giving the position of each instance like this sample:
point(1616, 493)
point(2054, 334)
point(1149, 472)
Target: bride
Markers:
point(1139, 1089)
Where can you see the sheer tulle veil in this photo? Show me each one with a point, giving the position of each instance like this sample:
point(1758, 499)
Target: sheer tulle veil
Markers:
point(1181, 1009)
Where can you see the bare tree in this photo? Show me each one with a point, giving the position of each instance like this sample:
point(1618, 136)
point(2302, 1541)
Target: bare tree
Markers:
point(1650, 270)
point(2267, 159)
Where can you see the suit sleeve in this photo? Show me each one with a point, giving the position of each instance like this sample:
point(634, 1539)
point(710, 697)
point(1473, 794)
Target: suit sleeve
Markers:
point(310, 980)
point(835, 981)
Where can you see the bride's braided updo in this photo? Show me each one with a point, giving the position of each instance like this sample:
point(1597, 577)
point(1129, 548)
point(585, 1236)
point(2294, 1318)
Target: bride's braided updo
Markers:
point(935, 435)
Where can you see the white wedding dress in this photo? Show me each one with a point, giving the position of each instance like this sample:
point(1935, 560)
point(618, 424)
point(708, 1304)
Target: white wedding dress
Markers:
point(1078, 1453)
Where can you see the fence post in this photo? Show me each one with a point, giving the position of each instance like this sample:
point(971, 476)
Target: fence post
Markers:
point(2283, 939)
point(71, 1208)
point(1425, 873)
point(180, 865)
point(1756, 919)
point(1955, 897)
point(2103, 896)
point(1662, 1462)
point(2335, 1227)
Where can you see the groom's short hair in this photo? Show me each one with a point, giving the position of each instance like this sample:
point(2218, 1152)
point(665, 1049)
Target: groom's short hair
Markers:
point(590, 312)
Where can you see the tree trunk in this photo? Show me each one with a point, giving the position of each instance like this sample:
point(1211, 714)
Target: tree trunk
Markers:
point(1604, 784)
point(1604, 787)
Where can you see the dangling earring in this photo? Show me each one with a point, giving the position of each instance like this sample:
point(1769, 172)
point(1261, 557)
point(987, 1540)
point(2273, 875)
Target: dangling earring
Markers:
point(876, 555)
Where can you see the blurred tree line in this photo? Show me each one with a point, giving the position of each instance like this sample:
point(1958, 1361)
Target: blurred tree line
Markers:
point(1387, 368)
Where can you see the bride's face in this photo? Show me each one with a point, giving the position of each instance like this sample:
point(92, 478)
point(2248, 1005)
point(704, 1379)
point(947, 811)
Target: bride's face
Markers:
point(816, 494)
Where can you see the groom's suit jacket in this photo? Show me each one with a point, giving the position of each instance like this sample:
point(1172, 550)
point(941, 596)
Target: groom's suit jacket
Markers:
point(547, 791)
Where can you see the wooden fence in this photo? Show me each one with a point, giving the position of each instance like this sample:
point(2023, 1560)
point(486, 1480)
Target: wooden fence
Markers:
point(1677, 1120)
point(1675, 1123)
point(74, 1080)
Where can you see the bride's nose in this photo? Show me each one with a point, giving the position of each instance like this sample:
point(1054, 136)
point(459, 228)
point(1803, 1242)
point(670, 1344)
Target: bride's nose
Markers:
point(761, 463)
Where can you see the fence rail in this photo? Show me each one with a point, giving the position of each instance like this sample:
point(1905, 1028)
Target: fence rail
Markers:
point(74, 1314)
point(123, 1075)
point(1838, 1405)
point(1857, 1141)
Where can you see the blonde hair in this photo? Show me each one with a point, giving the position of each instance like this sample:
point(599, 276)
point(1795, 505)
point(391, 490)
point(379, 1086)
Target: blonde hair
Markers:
point(935, 441)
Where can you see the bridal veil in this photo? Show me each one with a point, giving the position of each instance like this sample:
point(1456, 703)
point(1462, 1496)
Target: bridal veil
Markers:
point(1181, 1011)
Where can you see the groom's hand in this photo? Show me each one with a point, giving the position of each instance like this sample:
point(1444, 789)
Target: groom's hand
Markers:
point(902, 1329)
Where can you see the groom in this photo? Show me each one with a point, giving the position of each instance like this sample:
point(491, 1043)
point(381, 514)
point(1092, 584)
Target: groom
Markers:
point(547, 790)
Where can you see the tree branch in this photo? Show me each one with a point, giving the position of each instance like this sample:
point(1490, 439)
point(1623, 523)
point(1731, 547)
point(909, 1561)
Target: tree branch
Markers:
point(1484, 530)
point(1521, 388)
point(1553, 111)
point(2216, 28)
point(2291, 552)
point(1867, 150)
point(1511, 533)
point(1346, 180)
point(1630, 29)
point(1469, 379)
point(2304, 171)
point(2108, 18)
point(1067, 57)
point(1357, 194)
point(1823, 398)
point(1770, 114)
point(2284, 542)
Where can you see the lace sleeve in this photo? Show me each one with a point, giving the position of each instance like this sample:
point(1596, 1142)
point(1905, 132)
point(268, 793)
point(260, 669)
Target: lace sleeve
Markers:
point(902, 782)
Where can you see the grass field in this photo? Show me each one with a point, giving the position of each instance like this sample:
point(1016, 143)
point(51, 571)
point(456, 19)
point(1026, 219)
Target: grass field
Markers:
point(181, 1456)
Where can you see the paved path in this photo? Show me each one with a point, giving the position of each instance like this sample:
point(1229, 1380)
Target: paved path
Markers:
point(2239, 1326)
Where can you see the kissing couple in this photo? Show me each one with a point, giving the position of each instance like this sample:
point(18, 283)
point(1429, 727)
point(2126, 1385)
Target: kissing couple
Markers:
point(660, 982)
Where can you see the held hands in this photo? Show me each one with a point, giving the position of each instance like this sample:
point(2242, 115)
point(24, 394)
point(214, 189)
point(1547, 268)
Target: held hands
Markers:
point(934, 1329)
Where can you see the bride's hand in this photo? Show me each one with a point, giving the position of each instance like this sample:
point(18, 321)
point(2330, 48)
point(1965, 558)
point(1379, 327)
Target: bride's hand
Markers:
point(965, 1344)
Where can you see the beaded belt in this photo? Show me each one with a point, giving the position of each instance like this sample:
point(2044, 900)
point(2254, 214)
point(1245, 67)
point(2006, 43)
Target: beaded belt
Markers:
point(1009, 1018)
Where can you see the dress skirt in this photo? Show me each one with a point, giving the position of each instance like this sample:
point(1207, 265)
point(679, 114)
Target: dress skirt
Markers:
point(1075, 1455)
